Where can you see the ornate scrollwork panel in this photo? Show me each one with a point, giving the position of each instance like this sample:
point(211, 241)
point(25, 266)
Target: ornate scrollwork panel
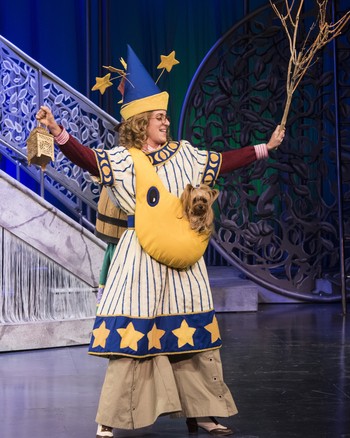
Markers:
point(278, 219)
point(25, 86)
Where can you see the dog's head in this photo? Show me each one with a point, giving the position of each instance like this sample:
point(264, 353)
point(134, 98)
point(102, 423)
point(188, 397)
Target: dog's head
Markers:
point(197, 206)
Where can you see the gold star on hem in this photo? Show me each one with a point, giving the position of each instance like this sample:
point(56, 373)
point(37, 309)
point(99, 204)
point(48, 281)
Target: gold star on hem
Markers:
point(130, 337)
point(184, 334)
point(101, 335)
point(102, 83)
point(168, 62)
point(213, 328)
point(154, 336)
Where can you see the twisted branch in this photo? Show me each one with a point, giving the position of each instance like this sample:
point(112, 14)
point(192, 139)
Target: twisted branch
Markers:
point(301, 60)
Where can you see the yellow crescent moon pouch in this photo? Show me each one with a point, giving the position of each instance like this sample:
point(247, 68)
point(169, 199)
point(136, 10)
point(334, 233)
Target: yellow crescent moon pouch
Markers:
point(160, 226)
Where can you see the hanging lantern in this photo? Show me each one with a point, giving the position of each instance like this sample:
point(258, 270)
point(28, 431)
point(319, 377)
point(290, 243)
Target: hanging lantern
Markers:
point(40, 147)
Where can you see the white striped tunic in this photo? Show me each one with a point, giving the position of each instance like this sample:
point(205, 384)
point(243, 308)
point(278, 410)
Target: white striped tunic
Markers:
point(148, 308)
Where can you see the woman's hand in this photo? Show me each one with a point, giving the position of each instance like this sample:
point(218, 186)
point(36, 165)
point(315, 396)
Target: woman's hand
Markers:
point(276, 138)
point(44, 115)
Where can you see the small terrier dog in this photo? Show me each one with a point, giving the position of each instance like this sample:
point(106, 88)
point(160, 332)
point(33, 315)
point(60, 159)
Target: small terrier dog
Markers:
point(197, 207)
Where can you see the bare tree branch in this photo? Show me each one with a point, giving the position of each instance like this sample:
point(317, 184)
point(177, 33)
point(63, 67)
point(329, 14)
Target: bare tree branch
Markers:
point(300, 61)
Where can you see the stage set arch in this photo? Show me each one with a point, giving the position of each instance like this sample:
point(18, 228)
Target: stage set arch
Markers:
point(278, 221)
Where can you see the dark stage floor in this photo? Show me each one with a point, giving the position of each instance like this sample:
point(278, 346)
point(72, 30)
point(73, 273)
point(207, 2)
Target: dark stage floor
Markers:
point(287, 366)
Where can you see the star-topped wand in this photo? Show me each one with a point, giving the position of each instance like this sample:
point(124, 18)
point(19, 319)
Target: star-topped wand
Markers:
point(105, 81)
point(167, 63)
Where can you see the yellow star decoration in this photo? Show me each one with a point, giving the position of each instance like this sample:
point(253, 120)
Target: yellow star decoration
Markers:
point(213, 328)
point(123, 63)
point(102, 83)
point(101, 335)
point(130, 336)
point(168, 62)
point(184, 334)
point(154, 336)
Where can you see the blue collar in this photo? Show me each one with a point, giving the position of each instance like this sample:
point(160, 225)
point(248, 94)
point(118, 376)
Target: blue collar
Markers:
point(165, 153)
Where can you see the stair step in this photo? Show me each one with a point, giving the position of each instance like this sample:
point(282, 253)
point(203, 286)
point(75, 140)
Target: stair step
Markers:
point(231, 292)
point(46, 334)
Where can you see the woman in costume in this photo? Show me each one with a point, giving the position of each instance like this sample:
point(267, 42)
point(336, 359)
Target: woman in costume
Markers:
point(155, 322)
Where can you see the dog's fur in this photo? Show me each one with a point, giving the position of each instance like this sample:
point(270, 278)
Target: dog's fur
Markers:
point(197, 207)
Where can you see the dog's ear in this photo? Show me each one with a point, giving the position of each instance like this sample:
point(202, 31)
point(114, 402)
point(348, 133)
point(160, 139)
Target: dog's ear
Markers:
point(214, 193)
point(185, 197)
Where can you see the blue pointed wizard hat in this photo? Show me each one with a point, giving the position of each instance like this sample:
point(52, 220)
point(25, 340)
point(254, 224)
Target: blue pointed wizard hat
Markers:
point(141, 93)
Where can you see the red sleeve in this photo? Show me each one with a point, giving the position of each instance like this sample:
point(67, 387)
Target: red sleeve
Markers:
point(232, 160)
point(80, 155)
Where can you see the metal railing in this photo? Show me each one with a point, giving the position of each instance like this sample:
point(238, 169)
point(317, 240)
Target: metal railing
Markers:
point(25, 85)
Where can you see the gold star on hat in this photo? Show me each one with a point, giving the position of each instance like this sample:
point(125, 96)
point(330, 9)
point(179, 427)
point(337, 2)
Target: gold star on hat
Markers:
point(102, 83)
point(168, 61)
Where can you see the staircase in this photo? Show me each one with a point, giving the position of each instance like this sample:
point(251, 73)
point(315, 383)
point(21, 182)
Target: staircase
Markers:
point(50, 266)
point(50, 258)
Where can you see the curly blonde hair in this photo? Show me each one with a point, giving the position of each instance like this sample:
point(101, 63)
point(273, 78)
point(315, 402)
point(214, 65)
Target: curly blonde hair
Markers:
point(132, 132)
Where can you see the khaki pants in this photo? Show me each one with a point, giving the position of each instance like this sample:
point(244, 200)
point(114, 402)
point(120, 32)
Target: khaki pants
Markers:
point(135, 392)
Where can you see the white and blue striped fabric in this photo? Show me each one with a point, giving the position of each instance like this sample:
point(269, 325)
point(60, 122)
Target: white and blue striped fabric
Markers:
point(148, 308)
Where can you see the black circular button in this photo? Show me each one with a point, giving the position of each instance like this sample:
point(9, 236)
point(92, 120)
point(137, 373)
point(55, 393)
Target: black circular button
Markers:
point(153, 196)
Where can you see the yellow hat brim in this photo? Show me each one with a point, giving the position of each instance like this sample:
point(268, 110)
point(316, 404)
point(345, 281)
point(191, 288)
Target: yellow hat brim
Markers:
point(155, 102)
